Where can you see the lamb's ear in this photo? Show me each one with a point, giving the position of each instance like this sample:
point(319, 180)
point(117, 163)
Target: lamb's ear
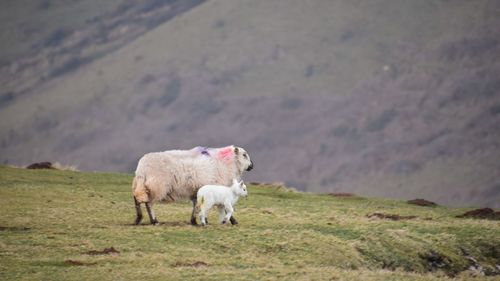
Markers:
point(236, 150)
point(240, 183)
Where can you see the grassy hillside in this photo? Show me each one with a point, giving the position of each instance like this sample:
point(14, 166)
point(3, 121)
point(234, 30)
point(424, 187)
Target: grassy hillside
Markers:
point(26, 24)
point(61, 225)
point(51, 38)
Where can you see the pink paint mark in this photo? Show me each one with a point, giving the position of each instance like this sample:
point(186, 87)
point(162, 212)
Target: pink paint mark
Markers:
point(226, 153)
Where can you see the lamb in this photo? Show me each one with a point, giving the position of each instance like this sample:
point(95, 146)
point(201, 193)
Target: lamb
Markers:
point(221, 196)
point(173, 175)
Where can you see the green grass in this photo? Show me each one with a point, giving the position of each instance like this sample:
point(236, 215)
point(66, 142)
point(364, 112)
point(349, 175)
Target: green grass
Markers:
point(50, 217)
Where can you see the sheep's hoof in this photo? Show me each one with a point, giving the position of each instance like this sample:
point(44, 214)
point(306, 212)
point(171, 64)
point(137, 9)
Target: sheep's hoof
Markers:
point(224, 222)
point(138, 220)
point(155, 222)
point(233, 221)
point(193, 221)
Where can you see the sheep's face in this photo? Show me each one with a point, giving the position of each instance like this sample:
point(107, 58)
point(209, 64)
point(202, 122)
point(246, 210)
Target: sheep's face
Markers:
point(243, 190)
point(243, 158)
point(239, 188)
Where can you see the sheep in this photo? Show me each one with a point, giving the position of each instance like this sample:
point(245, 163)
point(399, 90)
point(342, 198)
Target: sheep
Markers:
point(173, 175)
point(221, 196)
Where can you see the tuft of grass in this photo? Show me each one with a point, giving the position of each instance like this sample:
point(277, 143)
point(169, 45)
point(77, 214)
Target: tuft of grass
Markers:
point(52, 219)
point(59, 166)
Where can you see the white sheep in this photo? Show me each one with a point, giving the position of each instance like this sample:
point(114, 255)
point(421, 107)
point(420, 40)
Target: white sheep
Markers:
point(173, 175)
point(221, 196)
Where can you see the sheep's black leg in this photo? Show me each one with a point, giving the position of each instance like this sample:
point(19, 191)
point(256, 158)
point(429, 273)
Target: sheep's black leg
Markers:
point(138, 210)
point(151, 214)
point(233, 220)
point(193, 217)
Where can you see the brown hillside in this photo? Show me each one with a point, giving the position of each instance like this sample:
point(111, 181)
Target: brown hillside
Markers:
point(381, 98)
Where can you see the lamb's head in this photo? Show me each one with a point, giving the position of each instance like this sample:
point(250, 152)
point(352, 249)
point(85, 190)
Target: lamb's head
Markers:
point(239, 188)
point(243, 158)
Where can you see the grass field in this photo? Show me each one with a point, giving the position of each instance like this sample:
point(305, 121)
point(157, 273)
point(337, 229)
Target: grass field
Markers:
point(55, 225)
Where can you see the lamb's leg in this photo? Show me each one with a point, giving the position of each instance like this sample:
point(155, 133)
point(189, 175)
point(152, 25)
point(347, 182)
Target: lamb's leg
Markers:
point(193, 217)
point(233, 220)
point(222, 214)
point(138, 210)
point(152, 217)
point(203, 217)
point(229, 212)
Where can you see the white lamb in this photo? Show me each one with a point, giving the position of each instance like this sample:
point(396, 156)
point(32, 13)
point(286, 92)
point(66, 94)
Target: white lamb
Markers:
point(221, 196)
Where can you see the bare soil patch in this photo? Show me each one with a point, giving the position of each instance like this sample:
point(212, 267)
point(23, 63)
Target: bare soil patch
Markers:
point(79, 263)
point(391, 216)
point(40, 165)
point(483, 213)
point(342, 194)
point(187, 264)
point(14, 228)
point(422, 202)
point(106, 251)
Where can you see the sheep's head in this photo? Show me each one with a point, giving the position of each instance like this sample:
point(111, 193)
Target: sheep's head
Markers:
point(233, 154)
point(239, 188)
point(243, 158)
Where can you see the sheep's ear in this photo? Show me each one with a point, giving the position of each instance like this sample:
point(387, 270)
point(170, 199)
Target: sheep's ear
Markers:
point(236, 150)
point(241, 183)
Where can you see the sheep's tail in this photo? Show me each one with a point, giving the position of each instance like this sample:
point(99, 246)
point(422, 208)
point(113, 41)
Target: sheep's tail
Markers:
point(139, 189)
point(200, 202)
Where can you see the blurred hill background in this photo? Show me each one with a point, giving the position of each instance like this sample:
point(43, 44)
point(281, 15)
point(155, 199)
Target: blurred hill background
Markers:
point(384, 98)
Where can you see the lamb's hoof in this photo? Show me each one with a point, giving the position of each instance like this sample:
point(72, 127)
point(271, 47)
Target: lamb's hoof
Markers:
point(233, 221)
point(155, 222)
point(193, 221)
point(223, 222)
point(138, 221)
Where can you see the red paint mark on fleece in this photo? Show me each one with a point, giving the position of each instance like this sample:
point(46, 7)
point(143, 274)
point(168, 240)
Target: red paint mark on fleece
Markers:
point(226, 153)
